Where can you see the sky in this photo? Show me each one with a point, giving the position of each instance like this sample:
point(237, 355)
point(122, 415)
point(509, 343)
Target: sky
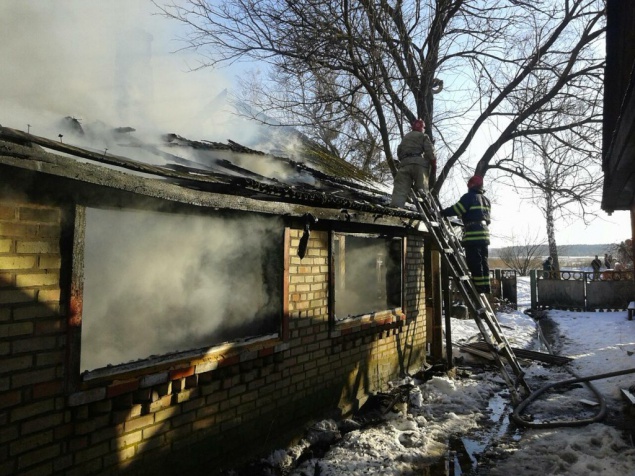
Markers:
point(513, 219)
point(121, 63)
point(472, 411)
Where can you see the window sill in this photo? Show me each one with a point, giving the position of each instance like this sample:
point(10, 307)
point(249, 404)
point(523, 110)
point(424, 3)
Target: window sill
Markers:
point(376, 320)
point(111, 381)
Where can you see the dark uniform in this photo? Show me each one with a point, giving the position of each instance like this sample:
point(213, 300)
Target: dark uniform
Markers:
point(474, 210)
point(548, 268)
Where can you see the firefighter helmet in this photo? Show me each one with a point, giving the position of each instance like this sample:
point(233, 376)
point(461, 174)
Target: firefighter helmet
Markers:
point(475, 182)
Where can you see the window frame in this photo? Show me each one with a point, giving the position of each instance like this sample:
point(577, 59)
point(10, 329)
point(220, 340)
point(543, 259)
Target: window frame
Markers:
point(378, 317)
point(76, 380)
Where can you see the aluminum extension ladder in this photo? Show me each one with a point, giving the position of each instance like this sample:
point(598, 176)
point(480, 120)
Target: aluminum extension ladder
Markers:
point(480, 308)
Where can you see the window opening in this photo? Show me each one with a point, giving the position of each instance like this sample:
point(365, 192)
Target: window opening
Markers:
point(367, 274)
point(158, 283)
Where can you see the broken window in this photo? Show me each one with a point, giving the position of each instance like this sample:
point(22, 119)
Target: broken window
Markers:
point(158, 283)
point(367, 274)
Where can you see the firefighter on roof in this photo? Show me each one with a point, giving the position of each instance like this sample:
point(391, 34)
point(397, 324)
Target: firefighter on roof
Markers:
point(474, 210)
point(417, 162)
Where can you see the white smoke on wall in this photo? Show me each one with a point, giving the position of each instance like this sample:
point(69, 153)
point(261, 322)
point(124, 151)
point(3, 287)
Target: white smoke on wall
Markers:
point(156, 283)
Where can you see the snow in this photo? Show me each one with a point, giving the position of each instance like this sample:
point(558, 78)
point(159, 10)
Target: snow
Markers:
point(474, 409)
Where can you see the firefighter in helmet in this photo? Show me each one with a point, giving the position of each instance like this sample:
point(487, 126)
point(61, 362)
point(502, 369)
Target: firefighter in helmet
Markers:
point(417, 162)
point(474, 210)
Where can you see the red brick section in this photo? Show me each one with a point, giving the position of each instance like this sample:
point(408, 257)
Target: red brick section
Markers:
point(181, 373)
point(228, 404)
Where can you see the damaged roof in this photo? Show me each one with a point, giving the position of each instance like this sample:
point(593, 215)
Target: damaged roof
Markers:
point(175, 168)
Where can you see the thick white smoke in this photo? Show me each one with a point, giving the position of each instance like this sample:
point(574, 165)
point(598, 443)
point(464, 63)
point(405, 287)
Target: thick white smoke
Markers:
point(114, 62)
point(111, 64)
point(159, 283)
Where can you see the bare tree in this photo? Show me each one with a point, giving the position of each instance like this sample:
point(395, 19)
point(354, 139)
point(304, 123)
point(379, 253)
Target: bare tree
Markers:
point(308, 104)
point(560, 171)
point(623, 253)
point(385, 60)
point(522, 254)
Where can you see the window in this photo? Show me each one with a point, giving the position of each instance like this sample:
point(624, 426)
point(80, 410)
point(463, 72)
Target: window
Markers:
point(367, 274)
point(158, 283)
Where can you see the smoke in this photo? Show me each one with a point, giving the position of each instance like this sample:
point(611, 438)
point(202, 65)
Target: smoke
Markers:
point(153, 284)
point(113, 62)
point(156, 283)
point(118, 64)
point(368, 275)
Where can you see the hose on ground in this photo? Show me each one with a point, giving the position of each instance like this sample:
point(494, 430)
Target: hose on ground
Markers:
point(515, 416)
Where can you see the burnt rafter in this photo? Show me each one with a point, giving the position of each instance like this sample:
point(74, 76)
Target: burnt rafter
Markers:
point(298, 184)
point(293, 165)
point(22, 138)
point(332, 191)
point(209, 145)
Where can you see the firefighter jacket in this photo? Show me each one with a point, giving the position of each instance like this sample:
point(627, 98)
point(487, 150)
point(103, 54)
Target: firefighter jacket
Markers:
point(474, 210)
point(416, 148)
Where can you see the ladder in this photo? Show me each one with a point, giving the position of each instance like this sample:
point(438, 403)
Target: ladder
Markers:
point(480, 308)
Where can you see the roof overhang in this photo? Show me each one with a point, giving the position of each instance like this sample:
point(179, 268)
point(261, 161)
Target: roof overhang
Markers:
point(88, 183)
point(618, 162)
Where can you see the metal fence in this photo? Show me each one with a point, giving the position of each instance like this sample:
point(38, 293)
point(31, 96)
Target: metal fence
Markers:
point(503, 283)
point(582, 290)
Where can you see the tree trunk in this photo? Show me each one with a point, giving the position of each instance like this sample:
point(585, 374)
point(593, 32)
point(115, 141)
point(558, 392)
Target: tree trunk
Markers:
point(549, 212)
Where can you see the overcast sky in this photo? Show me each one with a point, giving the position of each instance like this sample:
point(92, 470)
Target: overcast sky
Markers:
point(116, 62)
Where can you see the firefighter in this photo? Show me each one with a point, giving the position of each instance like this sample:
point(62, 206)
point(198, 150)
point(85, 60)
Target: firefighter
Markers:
point(474, 210)
point(417, 162)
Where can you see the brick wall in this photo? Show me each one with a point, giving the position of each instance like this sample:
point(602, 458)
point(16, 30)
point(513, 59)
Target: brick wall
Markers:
point(233, 402)
point(33, 415)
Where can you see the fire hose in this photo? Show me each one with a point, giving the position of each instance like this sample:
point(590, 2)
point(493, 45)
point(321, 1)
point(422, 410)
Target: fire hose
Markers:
point(515, 416)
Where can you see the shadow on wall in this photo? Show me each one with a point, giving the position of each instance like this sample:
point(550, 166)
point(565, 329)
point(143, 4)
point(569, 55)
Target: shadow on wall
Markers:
point(408, 353)
point(374, 368)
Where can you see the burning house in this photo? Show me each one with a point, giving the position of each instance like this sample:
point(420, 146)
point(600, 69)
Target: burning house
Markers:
point(186, 304)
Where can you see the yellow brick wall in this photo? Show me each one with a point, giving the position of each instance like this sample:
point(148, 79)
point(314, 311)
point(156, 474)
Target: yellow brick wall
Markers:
point(32, 339)
point(229, 404)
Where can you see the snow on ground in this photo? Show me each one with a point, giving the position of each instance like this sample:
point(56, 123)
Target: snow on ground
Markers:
point(474, 408)
point(600, 343)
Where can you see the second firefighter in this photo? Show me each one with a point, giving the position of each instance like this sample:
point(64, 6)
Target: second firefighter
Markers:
point(474, 210)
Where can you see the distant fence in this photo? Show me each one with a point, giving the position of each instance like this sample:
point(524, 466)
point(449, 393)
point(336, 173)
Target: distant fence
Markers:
point(503, 284)
point(581, 290)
